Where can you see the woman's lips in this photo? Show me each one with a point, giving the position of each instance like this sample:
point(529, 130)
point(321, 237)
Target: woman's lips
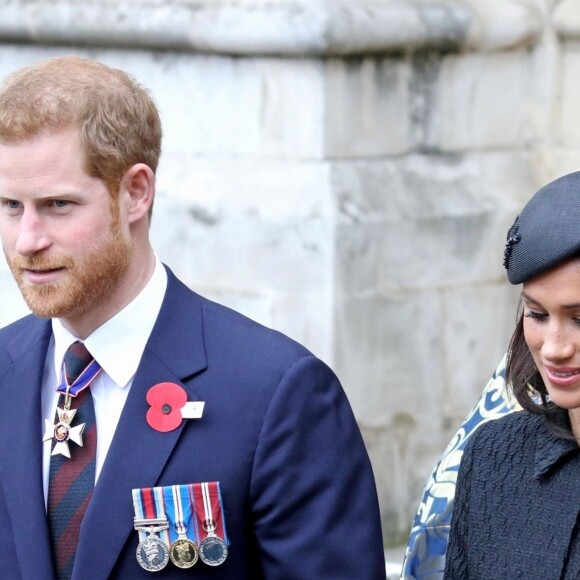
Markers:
point(563, 377)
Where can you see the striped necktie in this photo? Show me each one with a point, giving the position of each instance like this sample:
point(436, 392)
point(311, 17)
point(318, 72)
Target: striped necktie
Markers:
point(71, 481)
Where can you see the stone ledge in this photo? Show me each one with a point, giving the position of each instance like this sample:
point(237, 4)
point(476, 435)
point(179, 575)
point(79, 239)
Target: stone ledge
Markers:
point(275, 27)
point(566, 19)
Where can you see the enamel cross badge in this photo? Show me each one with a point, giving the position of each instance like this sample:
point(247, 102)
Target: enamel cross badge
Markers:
point(62, 432)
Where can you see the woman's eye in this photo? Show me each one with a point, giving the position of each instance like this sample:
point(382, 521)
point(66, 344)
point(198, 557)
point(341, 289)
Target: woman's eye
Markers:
point(535, 315)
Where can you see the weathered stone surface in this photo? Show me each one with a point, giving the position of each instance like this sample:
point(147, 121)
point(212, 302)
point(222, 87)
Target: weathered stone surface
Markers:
point(368, 107)
point(219, 106)
point(258, 236)
point(570, 112)
point(500, 25)
point(566, 19)
point(388, 355)
point(427, 356)
point(426, 221)
point(292, 27)
point(481, 102)
point(243, 107)
point(430, 102)
point(273, 216)
point(479, 321)
point(555, 161)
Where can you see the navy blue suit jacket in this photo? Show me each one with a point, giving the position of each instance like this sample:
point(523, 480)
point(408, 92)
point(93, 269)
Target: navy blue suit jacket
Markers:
point(277, 432)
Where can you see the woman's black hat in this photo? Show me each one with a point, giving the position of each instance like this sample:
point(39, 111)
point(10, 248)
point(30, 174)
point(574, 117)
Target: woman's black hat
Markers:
point(547, 231)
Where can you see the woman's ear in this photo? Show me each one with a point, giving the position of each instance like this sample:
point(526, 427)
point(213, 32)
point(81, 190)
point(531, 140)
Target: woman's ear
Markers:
point(137, 190)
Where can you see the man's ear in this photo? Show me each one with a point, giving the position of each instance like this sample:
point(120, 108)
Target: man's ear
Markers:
point(137, 190)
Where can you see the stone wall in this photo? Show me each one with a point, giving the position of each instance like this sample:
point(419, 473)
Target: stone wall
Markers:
point(345, 171)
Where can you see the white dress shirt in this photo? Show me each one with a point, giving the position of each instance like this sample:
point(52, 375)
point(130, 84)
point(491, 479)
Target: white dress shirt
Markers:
point(117, 346)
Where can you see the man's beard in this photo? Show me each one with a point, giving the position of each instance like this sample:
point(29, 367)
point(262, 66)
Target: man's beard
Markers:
point(90, 279)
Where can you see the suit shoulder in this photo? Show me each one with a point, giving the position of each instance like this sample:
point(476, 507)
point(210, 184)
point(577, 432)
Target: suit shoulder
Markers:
point(18, 327)
point(230, 325)
point(230, 339)
point(17, 338)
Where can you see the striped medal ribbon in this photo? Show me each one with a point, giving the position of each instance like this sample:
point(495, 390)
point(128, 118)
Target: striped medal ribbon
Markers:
point(184, 551)
point(213, 547)
point(151, 520)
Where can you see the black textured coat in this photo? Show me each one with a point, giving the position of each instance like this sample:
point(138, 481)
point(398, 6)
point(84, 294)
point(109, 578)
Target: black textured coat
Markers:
point(517, 504)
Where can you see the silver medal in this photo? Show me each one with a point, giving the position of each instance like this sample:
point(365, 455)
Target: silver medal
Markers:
point(152, 554)
point(213, 551)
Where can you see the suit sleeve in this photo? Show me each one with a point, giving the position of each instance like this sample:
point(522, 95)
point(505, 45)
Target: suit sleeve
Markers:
point(313, 493)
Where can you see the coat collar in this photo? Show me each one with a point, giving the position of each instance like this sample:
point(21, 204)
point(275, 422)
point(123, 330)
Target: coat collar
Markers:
point(551, 448)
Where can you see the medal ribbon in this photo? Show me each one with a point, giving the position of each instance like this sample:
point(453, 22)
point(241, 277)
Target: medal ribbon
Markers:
point(149, 505)
point(88, 375)
point(179, 509)
point(209, 509)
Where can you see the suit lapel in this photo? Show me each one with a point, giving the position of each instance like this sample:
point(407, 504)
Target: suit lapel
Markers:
point(138, 454)
point(21, 448)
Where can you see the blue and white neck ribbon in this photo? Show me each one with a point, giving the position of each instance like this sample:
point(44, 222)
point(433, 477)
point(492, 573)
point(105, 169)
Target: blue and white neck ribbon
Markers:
point(88, 375)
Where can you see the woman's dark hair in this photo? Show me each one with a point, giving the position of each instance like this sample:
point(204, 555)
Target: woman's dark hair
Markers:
point(526, 383)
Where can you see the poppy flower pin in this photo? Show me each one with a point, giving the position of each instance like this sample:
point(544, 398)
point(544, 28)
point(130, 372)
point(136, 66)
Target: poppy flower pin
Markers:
point(169, 406)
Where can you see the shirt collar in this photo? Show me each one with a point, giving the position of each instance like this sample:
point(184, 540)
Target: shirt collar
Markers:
point(118, 344)
point(552, 448)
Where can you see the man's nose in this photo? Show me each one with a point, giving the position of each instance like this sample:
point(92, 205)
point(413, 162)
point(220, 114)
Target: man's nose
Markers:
point(32, 235)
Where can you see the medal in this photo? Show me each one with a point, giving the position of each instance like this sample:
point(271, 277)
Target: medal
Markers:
point(213, 549)
point(184, 552)
point(61, 431)
point(194, 511)
point(152, 552)
point(150, 519)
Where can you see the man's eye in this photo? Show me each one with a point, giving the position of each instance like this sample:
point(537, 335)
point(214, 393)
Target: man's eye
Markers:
point(60, 202)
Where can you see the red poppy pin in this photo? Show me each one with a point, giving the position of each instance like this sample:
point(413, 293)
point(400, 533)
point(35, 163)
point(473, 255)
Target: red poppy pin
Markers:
point(169, 406)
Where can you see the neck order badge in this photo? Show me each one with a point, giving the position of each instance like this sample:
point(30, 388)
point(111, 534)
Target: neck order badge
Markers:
point(79, 370)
